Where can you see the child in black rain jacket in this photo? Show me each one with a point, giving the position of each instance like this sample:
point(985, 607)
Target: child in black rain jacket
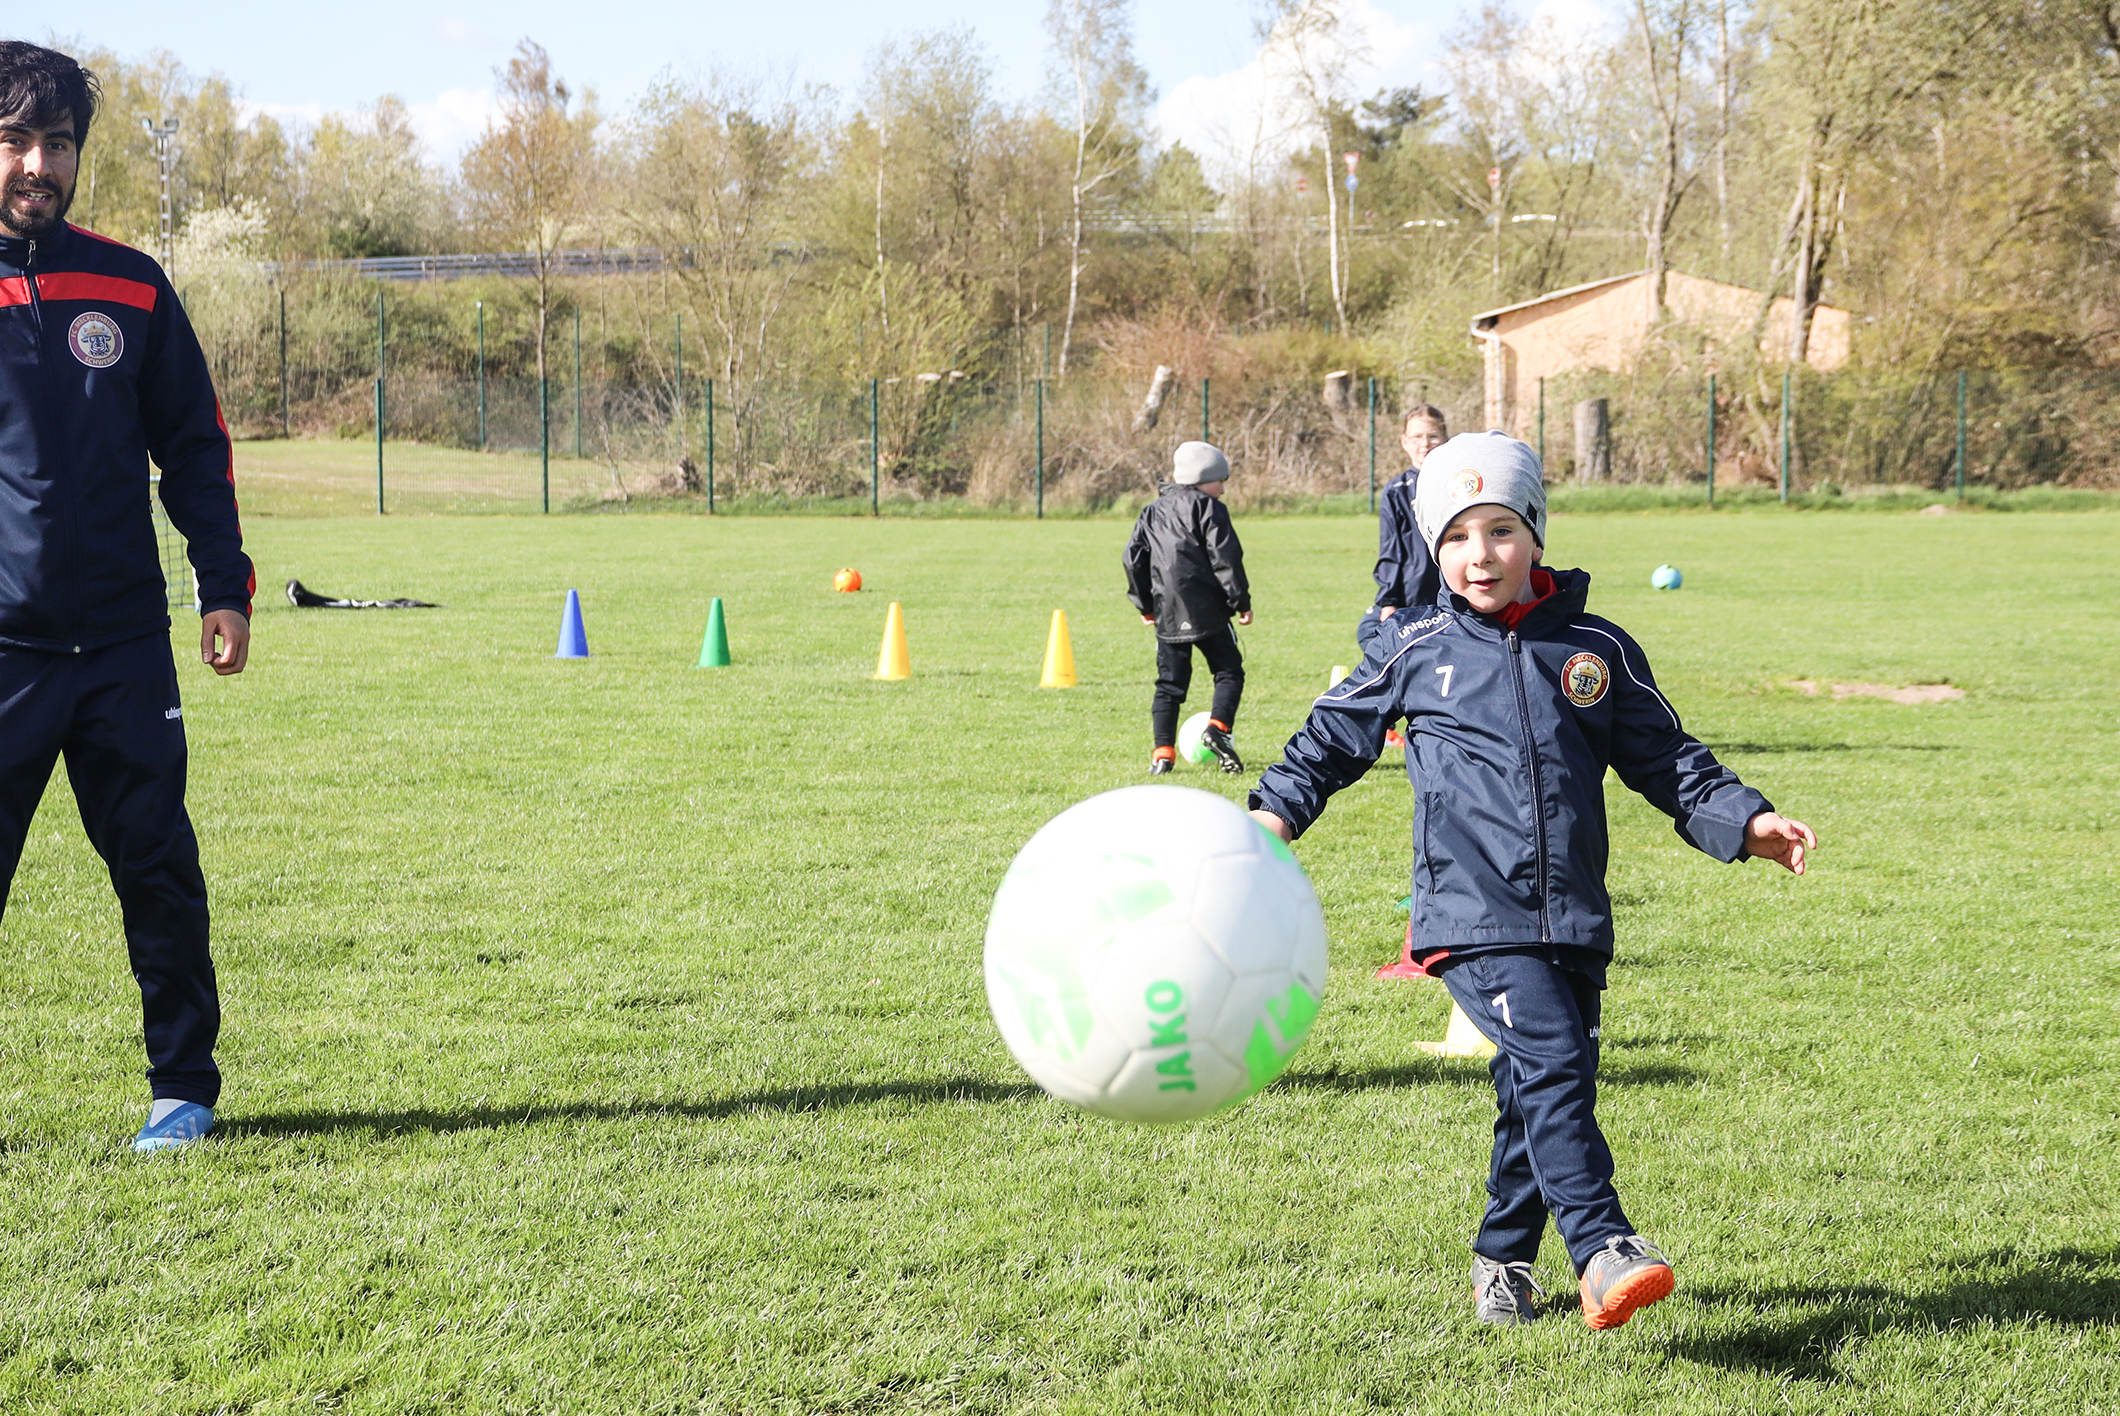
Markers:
point(1516, 701)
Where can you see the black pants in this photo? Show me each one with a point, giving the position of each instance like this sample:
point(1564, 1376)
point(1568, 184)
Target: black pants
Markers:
point(113, 714)
point(1174, 676)
point(1549, 1155)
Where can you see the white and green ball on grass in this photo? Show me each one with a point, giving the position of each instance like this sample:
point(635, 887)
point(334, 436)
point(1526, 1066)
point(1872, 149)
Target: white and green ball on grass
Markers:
point(1192, 741)
point(1154, 955)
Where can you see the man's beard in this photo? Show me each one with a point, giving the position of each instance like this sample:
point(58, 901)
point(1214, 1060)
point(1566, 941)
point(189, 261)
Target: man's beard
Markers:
point(37, 227)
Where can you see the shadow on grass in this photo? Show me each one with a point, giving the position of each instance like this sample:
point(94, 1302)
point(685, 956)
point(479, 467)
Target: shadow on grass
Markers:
point(1423, 1074)
point(789, 1100)
point(2076, 1287)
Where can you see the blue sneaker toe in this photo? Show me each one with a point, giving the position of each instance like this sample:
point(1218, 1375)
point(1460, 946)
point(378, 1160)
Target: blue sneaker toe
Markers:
point(181, 1127)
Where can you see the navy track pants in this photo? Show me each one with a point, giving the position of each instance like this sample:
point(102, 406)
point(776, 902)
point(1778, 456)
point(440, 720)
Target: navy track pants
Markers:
point(1174, 680)
point(1549, 1155)
point(113, 714)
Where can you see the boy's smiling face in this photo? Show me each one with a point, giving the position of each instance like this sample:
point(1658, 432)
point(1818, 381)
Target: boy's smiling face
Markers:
point(1486, 555)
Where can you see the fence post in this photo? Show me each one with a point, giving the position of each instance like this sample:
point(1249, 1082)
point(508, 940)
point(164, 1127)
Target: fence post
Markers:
point(1961, 435)
point(710, 447)
point(577, 383)
point(544, 441)
point(1204, 408)
point(379, 447)
point(1048, 349)
point(283, 364)
point(1372, 445)
point(1785, 437)
point(381, 406)
point(1711, 440)
point(1541, 419)
point(1041, 449)
point(481, 375)
point(876, 450)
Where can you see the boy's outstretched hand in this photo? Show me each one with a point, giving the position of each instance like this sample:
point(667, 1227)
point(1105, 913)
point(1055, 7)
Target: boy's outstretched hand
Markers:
point(1774, 837)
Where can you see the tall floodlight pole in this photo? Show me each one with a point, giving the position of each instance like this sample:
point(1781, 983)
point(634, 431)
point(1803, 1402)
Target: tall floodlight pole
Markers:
point(165, 135)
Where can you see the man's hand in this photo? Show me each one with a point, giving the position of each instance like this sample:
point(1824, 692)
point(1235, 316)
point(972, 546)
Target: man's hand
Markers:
point(1148, 619)
point(1777, 838)
point(1274, 824)
point(1244, 618)
point(233, 631)
point(1388, 612)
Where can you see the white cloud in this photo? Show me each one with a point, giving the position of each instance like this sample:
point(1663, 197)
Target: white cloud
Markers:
point(1246, 115)
point(447, 125)
point(452, 121)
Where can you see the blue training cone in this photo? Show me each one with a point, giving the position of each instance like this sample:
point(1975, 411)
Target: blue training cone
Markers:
point(573, 639)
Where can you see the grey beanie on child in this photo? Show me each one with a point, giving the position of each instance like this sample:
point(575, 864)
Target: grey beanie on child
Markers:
point(1197, 462)
point(1474, 469)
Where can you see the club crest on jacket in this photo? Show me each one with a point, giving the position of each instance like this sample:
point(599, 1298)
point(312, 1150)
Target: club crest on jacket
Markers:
point(1584, 678)
point(95, 339)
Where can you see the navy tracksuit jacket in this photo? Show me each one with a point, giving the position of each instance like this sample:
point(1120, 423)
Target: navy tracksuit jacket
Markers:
point(99, 372)
point(1405, 573)
point(1509, 733)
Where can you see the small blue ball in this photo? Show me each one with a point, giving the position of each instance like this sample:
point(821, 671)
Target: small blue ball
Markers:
point(1666, 577)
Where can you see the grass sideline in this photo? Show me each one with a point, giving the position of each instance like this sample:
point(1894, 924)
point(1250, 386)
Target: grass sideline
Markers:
point(607, 1036)
point(305, 477)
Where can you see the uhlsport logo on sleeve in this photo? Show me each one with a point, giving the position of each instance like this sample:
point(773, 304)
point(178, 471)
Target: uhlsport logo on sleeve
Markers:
point(1584, 678)
point(95, 339)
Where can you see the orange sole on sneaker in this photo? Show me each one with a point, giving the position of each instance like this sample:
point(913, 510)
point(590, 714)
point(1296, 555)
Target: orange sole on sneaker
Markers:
point(1638, 1290)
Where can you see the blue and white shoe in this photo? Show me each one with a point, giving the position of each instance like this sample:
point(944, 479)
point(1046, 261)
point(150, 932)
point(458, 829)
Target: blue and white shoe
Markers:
point(186, 1123)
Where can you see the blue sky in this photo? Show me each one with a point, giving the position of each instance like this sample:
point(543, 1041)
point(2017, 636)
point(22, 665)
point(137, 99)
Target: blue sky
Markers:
point(301, 60)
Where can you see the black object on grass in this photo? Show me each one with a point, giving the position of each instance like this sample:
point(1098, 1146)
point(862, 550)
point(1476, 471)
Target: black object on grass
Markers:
point(304, 598)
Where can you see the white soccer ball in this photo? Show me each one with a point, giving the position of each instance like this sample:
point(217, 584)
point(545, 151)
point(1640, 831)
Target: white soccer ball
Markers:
point(1154, 954)
point(1192, 740)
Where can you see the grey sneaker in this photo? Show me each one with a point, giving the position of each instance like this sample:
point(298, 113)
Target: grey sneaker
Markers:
point(1628, 1273)
point(1502, 1294)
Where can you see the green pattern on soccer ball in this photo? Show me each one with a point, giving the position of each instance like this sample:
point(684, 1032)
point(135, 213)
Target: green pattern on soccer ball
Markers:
point(1291, 1015)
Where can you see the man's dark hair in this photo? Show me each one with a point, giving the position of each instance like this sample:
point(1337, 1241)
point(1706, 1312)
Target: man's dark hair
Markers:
point(37, 85)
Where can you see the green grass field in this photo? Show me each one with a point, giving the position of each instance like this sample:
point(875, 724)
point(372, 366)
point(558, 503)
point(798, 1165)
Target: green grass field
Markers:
point(608, 1036)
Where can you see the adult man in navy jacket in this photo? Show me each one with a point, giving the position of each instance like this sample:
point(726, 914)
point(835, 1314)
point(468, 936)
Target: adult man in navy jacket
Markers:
point(100, 371)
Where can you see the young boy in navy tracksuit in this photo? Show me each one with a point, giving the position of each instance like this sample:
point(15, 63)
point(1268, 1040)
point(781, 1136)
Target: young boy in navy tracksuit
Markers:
point(1516, 701)
point(1405, 572)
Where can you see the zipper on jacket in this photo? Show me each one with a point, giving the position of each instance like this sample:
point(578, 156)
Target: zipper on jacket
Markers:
point(1538, 786)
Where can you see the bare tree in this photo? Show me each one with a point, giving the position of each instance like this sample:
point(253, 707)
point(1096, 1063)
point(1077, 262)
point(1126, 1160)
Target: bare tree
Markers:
point(718, 186)
point(1314, 47)
point(528, 178)
point(1093, 42)
point(1666, 30)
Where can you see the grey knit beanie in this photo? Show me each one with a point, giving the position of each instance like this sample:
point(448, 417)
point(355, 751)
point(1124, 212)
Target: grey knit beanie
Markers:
point(1473, 469)
point(1197, 462)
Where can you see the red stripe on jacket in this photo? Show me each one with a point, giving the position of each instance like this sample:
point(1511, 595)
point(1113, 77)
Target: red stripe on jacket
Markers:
point(81, 285)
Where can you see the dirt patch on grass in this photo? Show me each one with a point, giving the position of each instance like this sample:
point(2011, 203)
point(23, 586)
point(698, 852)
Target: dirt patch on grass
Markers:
point(1909, 693)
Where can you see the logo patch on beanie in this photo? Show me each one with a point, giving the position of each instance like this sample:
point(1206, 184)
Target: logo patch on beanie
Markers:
point(1467, 485)
point(95, 339)
point(1584, 678)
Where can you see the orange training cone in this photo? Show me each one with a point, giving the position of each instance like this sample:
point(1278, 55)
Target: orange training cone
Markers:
point(892, 661)
point(1059, 656)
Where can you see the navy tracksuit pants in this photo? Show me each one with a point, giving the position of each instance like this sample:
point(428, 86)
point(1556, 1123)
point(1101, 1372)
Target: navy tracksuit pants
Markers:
point(113, 714)
point(1549, 1155)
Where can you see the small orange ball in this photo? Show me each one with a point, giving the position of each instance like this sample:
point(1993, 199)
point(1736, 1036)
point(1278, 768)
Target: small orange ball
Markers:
point(847, 581)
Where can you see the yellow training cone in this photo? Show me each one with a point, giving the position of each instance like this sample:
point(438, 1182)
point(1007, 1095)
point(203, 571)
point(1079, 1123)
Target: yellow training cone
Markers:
point(1460, 1039)
point(1059, 656)
point(892, 662)
point(1339, 672)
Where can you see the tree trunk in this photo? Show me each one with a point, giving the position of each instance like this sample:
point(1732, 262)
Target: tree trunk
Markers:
point(1593, 440)
point(1159, 389)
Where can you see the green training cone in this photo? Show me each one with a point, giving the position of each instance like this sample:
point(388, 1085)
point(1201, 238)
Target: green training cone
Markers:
point(714, 649)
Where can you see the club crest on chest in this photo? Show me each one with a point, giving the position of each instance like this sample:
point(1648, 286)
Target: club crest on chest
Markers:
point(1584, 678)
